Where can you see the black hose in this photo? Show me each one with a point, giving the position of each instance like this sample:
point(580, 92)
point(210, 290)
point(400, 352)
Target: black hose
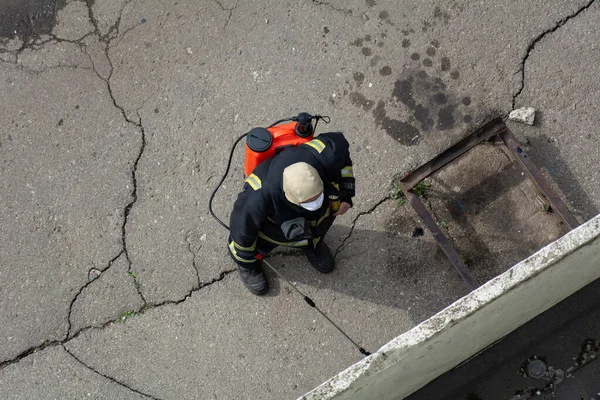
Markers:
point(212, 196)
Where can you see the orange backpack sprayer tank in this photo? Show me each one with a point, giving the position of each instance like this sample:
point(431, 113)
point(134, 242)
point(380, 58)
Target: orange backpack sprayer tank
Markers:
point(264, 143)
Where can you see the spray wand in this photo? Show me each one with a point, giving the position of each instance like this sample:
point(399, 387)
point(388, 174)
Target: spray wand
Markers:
point(311, 303)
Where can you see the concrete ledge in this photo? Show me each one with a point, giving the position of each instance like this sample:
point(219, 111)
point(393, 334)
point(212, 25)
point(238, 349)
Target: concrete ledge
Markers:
point(472, 323)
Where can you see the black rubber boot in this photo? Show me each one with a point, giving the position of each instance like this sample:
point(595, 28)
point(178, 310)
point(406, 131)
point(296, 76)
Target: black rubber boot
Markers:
point(254, 278)
point(320, 257)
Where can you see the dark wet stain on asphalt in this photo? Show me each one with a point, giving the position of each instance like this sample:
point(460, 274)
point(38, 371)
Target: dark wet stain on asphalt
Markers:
point(403, 132)
point(28, 19)
point(427, 101)
point(374, 61)
point(359, 78)
point(446, 118)
point(359, 100)
point(403, 92)
point(440, 98)
point(385, 71)
point(445, 64)
point(358, 42)
point(420, 101)
point(422, 115)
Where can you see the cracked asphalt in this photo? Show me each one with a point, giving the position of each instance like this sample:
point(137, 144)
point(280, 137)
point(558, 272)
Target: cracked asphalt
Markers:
point(118, 118)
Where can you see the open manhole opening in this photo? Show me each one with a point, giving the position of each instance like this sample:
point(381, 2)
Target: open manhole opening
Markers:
point(486, 203)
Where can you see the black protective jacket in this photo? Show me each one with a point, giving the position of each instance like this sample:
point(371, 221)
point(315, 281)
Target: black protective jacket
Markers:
point(262, 208)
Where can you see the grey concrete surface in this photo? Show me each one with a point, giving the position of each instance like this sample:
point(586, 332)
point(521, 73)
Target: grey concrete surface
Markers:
point(564, 140)
point(220, 343)
point(118, 120)
point(64, 188)
point(54, 374)
point(114, 295)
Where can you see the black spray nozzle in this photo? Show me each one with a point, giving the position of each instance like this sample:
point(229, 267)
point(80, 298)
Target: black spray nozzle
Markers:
point(304, 126)
point(304, 118)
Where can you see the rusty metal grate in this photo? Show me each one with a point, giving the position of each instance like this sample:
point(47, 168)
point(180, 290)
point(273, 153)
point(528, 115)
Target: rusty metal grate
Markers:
point(493, 128)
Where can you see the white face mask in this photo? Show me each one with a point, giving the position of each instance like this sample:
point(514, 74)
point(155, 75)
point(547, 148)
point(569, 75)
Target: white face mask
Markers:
point(315, 204)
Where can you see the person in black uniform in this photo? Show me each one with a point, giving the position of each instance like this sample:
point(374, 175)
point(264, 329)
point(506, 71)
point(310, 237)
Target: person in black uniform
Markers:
point(292, 200)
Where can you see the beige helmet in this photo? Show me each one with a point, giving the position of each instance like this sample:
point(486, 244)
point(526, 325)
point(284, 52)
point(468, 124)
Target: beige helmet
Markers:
point(301, 182)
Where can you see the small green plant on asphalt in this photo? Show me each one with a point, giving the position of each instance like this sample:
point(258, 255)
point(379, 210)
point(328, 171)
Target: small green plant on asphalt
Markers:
point(398, 195)
point(443, 224)
point(136, 282)
point(125, 315)
point(420, 190)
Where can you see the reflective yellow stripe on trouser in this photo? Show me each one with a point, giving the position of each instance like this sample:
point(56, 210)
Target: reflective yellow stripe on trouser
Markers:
point(291, 244)
point(239, 247)
point(347, 172)
point(240, 259)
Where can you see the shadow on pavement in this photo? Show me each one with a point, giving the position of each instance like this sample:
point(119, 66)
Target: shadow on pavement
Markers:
point(392, 260)
point(545, 152)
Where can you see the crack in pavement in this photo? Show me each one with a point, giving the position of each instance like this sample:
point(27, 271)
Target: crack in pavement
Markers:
point(326, 4)
point(187, 237)
point(33, 46)
point(143, 310)
point(28, 352)
point(116, 27)
point(110, 263)
point(36, 72)
point(222, 276)
point(230, 10)
point(107, 39)
point(108, 377)
point(134, 196)
point(124, 251)
point(360, 214)
point(539, 38)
